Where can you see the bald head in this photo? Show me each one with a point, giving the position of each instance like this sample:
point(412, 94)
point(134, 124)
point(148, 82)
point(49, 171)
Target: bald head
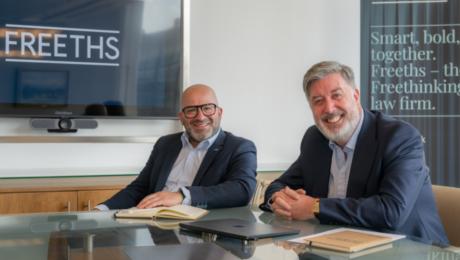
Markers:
point(197, 95)
point(204, 113)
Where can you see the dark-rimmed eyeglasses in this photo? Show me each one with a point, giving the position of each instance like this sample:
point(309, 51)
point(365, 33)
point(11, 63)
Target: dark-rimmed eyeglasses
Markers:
point(207, 110)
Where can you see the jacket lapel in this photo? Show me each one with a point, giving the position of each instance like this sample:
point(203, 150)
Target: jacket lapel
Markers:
point(363, 158)
point(215, 148)
point(171, 158)
point(322, 171)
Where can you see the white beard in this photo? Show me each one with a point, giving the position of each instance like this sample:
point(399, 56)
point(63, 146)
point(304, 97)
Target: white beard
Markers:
point(345, 131)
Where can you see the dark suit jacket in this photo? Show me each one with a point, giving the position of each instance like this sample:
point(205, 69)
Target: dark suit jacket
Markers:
point(388, 187)
point(225, 178)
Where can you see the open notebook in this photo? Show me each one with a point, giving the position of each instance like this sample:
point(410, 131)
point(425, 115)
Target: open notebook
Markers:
point(176, 212)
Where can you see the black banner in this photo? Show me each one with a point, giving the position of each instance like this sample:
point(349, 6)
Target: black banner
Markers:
point(410, 70)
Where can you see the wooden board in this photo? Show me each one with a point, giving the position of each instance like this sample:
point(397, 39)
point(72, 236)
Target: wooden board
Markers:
point(64, 184)
point(94, 196)
point(35, 202)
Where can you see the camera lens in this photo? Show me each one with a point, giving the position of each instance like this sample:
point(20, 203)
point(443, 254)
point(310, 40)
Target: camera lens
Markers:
point(65, 124)
point(65, 225)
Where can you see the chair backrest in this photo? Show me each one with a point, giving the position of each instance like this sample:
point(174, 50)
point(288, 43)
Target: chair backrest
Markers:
point(258, 192)
point(448, 204)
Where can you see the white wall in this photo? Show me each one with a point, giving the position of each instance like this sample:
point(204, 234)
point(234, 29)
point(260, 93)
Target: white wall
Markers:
point(253, 53)
point(64, 159)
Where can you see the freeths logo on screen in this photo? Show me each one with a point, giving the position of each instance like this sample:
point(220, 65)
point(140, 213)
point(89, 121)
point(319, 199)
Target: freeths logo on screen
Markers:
point(61, 45)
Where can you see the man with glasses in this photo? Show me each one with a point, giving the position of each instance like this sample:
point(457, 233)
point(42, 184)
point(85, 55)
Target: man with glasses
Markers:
point(203, 166)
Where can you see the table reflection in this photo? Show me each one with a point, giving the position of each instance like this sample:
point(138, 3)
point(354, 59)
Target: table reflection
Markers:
point(95, 235)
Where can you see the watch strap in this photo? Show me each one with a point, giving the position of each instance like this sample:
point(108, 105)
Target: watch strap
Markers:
point(316, 209)
point(181, 194)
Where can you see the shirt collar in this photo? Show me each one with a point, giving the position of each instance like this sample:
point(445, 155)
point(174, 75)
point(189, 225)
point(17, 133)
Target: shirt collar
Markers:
point(203, 145)
point(351, 144)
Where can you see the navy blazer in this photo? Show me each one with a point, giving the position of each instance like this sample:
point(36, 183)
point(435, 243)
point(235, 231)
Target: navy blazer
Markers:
point(225, 178)
point(388, 187)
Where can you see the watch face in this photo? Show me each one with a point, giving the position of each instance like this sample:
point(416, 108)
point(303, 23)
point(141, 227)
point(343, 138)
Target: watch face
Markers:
point(316, 207)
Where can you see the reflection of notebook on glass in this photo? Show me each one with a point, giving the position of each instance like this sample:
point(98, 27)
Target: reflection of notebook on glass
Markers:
point(205, 251)
point(240, 229)
point(343, 255)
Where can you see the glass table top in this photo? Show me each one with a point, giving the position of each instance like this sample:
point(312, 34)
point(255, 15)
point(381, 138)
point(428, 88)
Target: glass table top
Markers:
point(96, 235)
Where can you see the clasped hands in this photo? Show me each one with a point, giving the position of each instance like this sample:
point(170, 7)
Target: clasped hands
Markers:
point(293, 204)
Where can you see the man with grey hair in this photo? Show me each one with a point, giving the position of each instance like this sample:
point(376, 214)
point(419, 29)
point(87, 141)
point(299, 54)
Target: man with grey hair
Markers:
point(356, 167)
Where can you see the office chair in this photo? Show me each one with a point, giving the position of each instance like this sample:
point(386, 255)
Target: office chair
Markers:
point(258, 192)
point(448, 204)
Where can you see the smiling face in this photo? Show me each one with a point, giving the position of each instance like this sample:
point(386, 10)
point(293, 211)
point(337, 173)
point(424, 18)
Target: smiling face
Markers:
point(201, 127)
point(335, 107)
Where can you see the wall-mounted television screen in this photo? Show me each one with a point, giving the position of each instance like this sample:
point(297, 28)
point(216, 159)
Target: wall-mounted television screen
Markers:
point(90, 58)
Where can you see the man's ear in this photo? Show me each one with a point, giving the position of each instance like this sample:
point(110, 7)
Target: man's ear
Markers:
point(220, 111)
point(356, 95)
point(180, 118)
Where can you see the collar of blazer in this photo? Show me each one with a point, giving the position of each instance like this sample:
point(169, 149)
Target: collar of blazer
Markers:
point(363, 158)
point(173, 153)
point(215, 148)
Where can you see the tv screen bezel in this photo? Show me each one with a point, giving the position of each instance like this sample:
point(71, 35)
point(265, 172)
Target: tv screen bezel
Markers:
point(183, 81)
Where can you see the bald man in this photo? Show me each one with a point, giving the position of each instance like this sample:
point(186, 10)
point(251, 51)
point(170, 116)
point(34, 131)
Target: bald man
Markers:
point(203, 166)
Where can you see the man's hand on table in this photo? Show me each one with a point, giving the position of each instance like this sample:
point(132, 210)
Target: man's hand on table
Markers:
point(293, 204)
point(161, 198)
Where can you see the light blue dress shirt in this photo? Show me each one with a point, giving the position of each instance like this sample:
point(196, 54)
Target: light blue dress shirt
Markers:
point(185, 168)
point(340, 168)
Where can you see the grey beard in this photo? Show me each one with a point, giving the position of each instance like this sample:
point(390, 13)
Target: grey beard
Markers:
point(343, 133)
point(199, 140)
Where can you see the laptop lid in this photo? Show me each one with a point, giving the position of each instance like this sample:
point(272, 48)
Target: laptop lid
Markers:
point(240, 229)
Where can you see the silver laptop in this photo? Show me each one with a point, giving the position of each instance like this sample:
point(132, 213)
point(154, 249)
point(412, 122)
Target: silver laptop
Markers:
point(239, 229)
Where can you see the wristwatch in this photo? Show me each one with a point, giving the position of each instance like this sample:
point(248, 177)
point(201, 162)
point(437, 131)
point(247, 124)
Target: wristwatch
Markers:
point(315, 209)
point(182, 194)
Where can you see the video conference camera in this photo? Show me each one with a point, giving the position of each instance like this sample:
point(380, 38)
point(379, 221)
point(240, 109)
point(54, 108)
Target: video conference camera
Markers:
point(62, 125)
